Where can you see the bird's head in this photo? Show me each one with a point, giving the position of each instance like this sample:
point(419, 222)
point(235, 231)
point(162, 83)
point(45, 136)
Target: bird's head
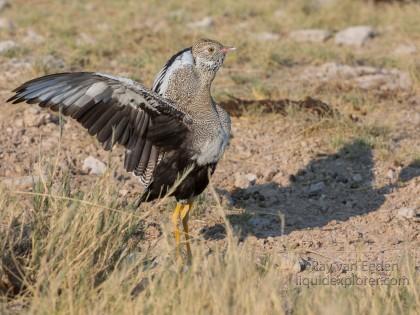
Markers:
point(209, 55)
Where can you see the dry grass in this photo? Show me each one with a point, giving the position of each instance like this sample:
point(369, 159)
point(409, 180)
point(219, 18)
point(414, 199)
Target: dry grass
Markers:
point(84, 250)
point(71, 257)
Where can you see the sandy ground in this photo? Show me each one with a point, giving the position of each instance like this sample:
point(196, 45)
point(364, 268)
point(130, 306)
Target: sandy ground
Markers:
point(283, 191)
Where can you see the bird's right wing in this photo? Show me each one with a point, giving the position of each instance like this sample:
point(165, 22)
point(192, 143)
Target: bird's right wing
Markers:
point(116, 110)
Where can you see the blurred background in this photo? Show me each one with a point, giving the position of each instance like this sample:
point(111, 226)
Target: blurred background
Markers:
point(275, 39)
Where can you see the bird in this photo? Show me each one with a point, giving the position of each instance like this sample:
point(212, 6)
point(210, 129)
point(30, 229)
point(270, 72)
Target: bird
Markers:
point(174, 134)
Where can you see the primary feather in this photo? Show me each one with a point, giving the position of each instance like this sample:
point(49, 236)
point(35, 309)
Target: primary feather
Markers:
point(114, 109)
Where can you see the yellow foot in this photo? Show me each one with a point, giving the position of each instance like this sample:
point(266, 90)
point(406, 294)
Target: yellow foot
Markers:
point(182, 212)
point(175, 217)
point(185, 215)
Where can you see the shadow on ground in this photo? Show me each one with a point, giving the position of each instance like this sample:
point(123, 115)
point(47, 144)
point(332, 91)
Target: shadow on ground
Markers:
point(331, 187)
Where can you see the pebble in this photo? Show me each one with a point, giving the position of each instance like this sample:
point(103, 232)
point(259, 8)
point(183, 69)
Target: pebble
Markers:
point(4, 4)
point(407, 213)
point(33, 37)
point(405, 49)
point(355, 36)
point(357, 178)
point(93, 166)
point(391, 174)
point(6, 24)
point(243, 181)
point(7, 45)
point(316, 188)
point(391, 80)
point(363, 77)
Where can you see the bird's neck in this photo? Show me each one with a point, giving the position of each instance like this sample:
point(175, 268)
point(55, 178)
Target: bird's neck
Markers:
point(202, 105)
point(206, 76)
point(203, 98)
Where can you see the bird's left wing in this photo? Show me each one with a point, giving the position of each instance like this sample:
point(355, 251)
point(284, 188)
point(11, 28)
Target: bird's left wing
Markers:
point(116, 110)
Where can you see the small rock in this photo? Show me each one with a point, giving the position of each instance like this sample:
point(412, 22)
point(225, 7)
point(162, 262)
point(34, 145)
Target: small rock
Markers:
point(252, 178)
point(243, 181)
point(354, 36)
point(363, 77)
point(7, 45)
point(357, 178)
point(6, 24)
point(93, 166)
point(391, 174)
point(316, 188)
point(267, 36)
point(408, 213)
point(206, 22)
point(33, 37)
point(310, 35)
point(405, 49)
point(389, 80)
point(4, 4)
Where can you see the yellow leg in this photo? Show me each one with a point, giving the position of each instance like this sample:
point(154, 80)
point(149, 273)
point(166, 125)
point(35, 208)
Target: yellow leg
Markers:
point(175, 217)
point(185, 214)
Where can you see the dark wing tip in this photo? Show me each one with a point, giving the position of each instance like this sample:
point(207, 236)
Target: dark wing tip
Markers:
point(17, 97)
point(12, 98)
point(16, 92)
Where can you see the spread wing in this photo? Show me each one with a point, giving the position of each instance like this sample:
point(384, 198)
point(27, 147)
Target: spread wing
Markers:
point(115, 110)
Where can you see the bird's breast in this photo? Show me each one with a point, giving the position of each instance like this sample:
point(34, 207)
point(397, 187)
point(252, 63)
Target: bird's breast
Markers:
point(211, 147)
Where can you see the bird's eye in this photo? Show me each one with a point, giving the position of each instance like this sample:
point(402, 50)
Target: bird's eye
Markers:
point(210, 49)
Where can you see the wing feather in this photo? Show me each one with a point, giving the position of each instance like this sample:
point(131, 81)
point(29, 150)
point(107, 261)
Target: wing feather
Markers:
point(116, 110)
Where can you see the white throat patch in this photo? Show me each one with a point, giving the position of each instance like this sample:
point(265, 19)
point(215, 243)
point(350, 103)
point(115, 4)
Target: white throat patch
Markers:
point(185, 58)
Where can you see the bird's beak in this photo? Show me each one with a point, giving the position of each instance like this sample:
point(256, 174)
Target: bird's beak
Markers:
point(227, 49)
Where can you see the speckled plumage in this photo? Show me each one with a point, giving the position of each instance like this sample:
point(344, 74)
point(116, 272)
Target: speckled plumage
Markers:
point(189, 87)
point(167, 130)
